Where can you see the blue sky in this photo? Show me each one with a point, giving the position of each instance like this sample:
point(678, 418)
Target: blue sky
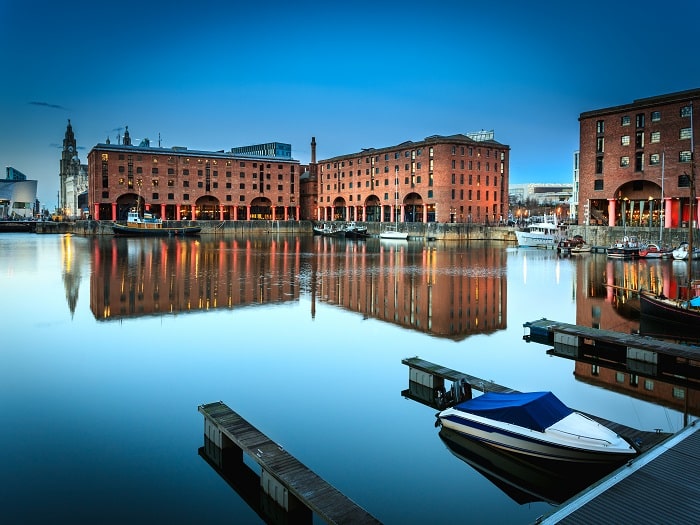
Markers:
point(213, 75)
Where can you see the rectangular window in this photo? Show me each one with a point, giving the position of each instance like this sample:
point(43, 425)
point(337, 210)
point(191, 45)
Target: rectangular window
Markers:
point(639, 120)
point(686, 133)
point(655, 116)
point(599, 165)
point(600, 126)
point(639, 161)
point(639, 139)
point(598, 185)
point(654, 159)
point(185, 184)
point(600, 145)
point(430, 194)
point(155, 196)
point(655, 137)
point(684, 156)
point(625, 140)
point(171, 196)
point(624, 162)
point(686, 111)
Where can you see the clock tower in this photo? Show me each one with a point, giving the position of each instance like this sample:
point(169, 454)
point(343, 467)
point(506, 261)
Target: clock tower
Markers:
point(68, 155)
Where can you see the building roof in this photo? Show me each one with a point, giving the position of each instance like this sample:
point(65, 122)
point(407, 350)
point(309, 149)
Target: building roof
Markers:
point(459, 138)
point(640, 103)
point(181, 151)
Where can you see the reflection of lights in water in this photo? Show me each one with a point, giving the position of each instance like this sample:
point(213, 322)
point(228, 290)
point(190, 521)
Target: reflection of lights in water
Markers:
point(524, 269)
point(557, 272)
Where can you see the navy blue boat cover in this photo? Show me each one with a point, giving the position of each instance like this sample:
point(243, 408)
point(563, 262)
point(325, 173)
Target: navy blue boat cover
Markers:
point(533, 410)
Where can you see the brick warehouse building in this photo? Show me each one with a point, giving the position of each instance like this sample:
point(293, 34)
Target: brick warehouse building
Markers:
point(255, 182)
point(629, 153)
point(457, 178)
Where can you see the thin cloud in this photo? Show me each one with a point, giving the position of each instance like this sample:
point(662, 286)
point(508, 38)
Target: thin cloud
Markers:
point(47, 105)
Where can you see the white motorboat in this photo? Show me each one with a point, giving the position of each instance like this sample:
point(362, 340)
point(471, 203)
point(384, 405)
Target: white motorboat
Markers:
point(392, 233)
point(681, 253)
point(544, 233)
point(536, 424)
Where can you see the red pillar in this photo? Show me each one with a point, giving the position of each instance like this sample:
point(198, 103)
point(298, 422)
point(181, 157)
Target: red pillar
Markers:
point(611, 212)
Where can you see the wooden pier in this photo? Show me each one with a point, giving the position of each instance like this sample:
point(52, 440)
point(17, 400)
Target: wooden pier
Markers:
point(284, 479)
point(658, 487)
point(426, 379)
point(546, 331)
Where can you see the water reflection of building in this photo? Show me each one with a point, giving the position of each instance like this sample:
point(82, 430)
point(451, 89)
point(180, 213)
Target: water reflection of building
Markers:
point(446, 292)
point(606, 298)
point(73, 255)
point(134, 277)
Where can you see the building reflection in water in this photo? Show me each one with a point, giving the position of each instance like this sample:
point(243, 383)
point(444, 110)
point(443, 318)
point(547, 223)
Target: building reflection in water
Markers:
point(73, 256)
point(449, 291)
point(606, 298)
point(133, 277)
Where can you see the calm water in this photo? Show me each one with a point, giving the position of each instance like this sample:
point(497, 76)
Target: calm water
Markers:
point(109, 345)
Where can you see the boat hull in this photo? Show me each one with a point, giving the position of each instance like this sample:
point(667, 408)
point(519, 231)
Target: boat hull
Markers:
point(534, 239)
point(134, 231)
point(669, 310)
point(392, 234)
point(517, 440)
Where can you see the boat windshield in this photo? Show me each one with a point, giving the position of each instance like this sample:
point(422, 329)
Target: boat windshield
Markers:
point(533, 410)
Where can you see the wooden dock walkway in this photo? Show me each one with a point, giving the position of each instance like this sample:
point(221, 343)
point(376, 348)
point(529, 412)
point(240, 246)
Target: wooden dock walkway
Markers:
point(658, 487)
point(546, 331)
point(281, 472)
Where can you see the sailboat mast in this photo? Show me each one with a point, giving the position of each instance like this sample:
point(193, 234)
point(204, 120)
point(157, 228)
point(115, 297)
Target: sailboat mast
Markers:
point(661, 204)
point(691, 217)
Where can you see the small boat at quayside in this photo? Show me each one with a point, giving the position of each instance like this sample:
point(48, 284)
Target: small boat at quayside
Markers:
point(355, 231)
point(150, 226)
point(545, 233)
point(536, 424)
point(681, 253)
point(683, 312)
point(655, 251)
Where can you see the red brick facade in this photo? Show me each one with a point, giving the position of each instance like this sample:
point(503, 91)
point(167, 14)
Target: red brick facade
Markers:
point(179, 184)
point(624, 151)
point(443, 179)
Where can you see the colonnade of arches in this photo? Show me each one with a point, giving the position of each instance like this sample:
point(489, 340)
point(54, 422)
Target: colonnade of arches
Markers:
point(410, 209)
point(640, 203)
point(204, 208)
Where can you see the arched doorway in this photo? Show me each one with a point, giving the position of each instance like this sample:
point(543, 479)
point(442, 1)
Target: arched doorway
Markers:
point(127, 201)
point(638, 203)
point(339, 209)
point(373, 208)
point(413, 208)
point(261, 209)
point(207, 208)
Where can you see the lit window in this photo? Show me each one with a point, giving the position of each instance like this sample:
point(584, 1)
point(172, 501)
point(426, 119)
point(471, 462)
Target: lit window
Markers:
point(655, 137)
point(684, 156)
point(686, 133)
point(625, 141)
point(654, 159)
point(655, 116)
point(624, 162)
point(686, 111)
